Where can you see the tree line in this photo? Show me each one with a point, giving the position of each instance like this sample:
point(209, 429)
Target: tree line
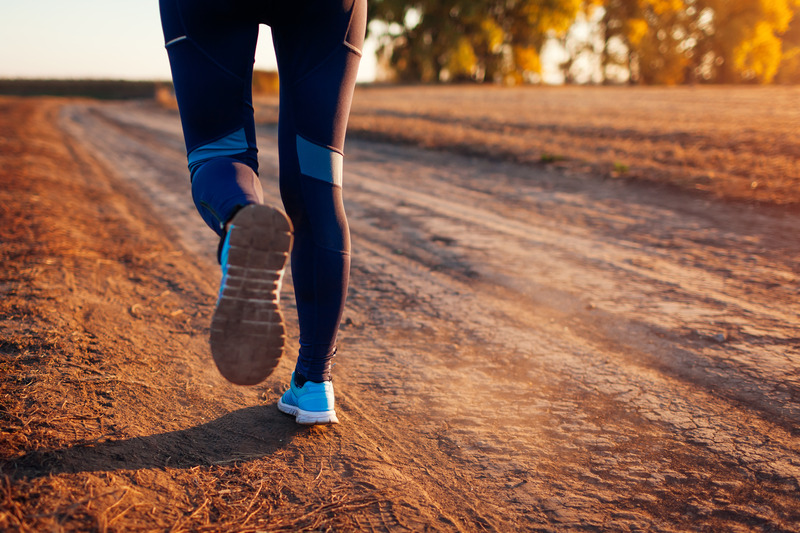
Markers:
point(601, 41)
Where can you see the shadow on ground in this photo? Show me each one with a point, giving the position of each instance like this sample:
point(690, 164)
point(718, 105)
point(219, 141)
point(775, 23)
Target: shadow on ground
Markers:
point(243, 435)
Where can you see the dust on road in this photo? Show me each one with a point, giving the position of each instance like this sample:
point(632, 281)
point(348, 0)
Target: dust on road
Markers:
point(522, 349)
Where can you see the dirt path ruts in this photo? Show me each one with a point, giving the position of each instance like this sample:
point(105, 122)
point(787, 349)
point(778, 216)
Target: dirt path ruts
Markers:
point(521, 350)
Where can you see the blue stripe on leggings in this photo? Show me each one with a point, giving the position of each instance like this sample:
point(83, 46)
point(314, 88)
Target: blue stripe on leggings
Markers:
point(231, 144)
point(319, 162)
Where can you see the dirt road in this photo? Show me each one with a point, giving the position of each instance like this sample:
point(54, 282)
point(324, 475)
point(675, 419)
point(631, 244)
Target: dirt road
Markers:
point(522, 350)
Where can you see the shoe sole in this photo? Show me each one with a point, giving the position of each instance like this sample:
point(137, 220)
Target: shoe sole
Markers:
point(308, 417)
point(247, 329)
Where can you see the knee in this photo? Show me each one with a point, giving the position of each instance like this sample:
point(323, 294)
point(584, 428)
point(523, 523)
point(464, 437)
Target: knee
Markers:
point(317, 212)
point(222, 185)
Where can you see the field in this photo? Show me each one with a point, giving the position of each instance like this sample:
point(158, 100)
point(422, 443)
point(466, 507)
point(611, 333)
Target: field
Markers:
point(739, 143)
point(570, 309)
point(102, 89)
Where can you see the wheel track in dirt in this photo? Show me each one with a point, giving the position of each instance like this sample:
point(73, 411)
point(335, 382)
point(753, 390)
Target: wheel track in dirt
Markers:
point(509, 244)
point(665, 401)
point(602, 385)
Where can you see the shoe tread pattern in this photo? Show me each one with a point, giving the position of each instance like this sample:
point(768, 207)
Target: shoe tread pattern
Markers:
point(247, 329)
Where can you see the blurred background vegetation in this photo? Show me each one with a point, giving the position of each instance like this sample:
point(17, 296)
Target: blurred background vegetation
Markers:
point(664, 42)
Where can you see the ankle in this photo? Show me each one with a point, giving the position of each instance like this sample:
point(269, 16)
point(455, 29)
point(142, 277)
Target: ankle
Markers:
point(299, 379)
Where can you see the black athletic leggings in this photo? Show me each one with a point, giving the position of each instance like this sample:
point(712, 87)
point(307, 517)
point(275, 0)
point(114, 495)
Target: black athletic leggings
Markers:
point(211, 46)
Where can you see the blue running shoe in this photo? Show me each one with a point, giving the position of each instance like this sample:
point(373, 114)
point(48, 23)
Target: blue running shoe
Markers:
point(247, 329)
point(310, 404)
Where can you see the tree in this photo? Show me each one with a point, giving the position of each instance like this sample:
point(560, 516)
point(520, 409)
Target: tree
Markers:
point(675, 41)
point(652, 41)
point(743, 38)
point(480, 40)
point(789, 68)
point(648, 37)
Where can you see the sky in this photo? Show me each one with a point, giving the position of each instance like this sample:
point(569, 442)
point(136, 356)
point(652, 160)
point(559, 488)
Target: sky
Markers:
point(111, 39)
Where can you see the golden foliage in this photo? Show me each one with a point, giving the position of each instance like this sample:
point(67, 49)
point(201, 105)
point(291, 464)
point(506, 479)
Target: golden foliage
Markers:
point(760, 55)
point(478, 39)
point(527, 58)
point(462, 61)
point(656, 41)
point(637, 29)
point(747, 36)
point(663, 7)
point(541, 15)
point(493, 34)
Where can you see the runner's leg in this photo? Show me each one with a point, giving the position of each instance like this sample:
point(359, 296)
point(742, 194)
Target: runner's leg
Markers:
point(211, 45)
point(318, 56)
